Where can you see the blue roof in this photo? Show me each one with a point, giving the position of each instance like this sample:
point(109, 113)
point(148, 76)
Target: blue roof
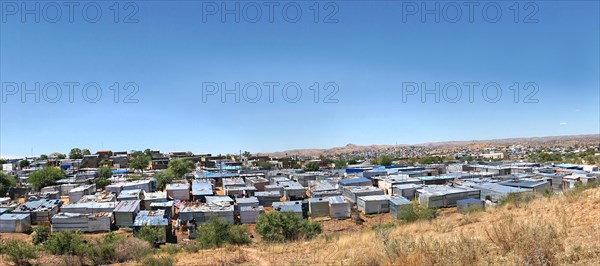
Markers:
point(346, 182)
point(217, 175)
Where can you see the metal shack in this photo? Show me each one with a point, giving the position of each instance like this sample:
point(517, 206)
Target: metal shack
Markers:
point(386, 184)
point(241, 202)
point(77, 193)
point(318, 207)
point(293, 190)
point(305, 178)
point(89, 207)
point(15, 222)
point(374, 204)
point(444, 196)
point(339, 207)
point(85, 222)
point(40, 210)
point(166, 206)
point(258, 182)
point(214, 199)
point(240, 191)
point(359, 181)
point(178, 191)
point(130, 194)
point(201, 189)
point(201, 212)
point(274, 188)
point(266, 198)
point(154, 219)
point(114, 188)
point(249, 214)
point(152, 197)
point(125, 212)
point(144, 185)
point(98, 197)
point(288, 206)
point(233, 182)
point(405, 190)
point(352, 193)
point(321, 189)
point(494, 191)
point(397, 203)
point(536, 185)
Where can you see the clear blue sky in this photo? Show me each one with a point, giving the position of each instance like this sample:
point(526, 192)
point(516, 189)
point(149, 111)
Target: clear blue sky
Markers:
point(369, 53)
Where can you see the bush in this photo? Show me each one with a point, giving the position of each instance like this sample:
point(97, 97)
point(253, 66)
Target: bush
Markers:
point(67, 243)
point(131, 249)
point(414, 212)
point(309, 229)
point(40, 234)
point(159, 261)
point(517, 199)
point(280, 226)
point(217, 232)
point(19, 252)
point(151, 234)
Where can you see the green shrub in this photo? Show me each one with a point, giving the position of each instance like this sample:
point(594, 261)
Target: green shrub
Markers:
point(280, 226)
point(517, 199)
point(159, 261)
point(217, 232)
point(40, 234)
point(310, 228)
point(172, 249)
point(151, 234)
point(19, 252)
point(387, 225)
point(67, 243)
point(414, 212)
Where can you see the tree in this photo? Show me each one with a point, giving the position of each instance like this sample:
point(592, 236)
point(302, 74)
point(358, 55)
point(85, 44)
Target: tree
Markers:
point(180, 167)
point(148, 153)
point(280, 226)
point(311, 167)
point(19, 252)
point(6, 182)
point(263, 164)
point(24, 164)
point(139, 161)
point(86, 152)
point(104, 172)
point(2, 161)
point(385, 160)
point(163, 178)
point(40, 234)
point(101, 182)
point(151, 234)
point(75, 153)
point(43, 157)
point(340, 163)
point(216, 232)
point(45, 177)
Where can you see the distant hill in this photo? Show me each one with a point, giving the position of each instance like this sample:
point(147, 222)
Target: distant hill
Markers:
point(544, 141)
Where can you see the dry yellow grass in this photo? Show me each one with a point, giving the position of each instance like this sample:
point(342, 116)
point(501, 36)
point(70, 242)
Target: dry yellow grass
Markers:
point(560, 230)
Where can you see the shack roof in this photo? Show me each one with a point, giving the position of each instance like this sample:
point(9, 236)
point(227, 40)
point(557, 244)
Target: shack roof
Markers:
point(443, 190)
point(350, 181)
point(246, 200)
point(153, 218)
point(210, 199)
point(397, 200)
point(14, 216)
point(128, 206)
point(38, 205)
